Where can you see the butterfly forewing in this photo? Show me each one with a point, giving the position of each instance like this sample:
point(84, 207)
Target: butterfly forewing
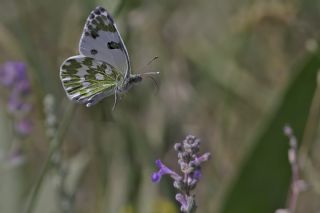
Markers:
point(102, 41)
point(87, 80)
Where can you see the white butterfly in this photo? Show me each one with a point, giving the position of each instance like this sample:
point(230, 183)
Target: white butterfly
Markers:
point(103, 66)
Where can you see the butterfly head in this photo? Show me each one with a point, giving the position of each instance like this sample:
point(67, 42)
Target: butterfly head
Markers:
point(135, 79)
point(138, 77)
point(128, 83)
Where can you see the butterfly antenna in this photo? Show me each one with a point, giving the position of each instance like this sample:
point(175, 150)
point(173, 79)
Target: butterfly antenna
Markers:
point(150, 74)
point(152, 60)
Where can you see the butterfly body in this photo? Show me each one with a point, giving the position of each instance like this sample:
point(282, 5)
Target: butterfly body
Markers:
point(128, 83)
point(103, 67)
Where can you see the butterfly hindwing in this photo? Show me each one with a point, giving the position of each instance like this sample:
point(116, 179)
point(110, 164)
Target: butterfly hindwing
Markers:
point(102, 41)
point(87, 80)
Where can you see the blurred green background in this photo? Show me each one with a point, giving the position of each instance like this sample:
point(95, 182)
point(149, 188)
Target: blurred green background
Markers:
point(233, 73)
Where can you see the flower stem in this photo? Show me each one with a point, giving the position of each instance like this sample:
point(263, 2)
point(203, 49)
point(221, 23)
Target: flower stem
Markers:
point(56, 143)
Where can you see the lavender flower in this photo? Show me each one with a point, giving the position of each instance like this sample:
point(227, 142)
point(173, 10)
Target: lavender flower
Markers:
point(24, 127)
point(163, 170)
point(297, 185)
point(190, 166)
point(13, 75)
point(12, 72)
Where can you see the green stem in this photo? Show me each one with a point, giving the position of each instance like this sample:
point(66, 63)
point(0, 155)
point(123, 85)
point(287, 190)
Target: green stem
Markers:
point(56, 143)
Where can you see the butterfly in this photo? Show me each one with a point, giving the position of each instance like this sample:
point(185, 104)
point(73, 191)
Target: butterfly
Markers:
point(103, 66)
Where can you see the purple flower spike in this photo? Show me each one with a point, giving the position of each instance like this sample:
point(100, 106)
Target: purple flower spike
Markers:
point(22, 87)
point(14, 104)
point(197, 174)
point(190, 165)
point(163, 170)
point(199, 160)
point(13, 75)
point(183, 201)
point(155, 177)
point(21, 71)
point(12, 72)
point(7, 74)
point(24, 127)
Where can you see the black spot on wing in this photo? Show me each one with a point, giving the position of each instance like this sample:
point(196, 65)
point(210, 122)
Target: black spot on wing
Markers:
point(99, 20)
point(97, 11)
point(94, 34)
point(113, 45)
point(94, 51)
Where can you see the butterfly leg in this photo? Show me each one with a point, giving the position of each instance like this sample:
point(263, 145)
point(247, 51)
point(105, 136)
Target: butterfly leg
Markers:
point(115, 100)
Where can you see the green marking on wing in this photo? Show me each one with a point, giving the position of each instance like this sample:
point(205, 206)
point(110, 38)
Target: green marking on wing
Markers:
point(87, 61)
point(102, 41)
point(83, 78)
point(99, 22)
point(71, 66)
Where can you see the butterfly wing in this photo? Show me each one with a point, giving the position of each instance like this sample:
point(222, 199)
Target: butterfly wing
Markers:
point(87, 80)
point(101, 40)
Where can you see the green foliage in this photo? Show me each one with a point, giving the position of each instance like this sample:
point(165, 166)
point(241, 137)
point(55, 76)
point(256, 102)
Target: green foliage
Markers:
point(264, 177)
point(225, 76)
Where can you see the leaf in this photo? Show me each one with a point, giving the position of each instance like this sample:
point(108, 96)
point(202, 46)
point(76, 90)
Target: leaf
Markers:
point(263, 181)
